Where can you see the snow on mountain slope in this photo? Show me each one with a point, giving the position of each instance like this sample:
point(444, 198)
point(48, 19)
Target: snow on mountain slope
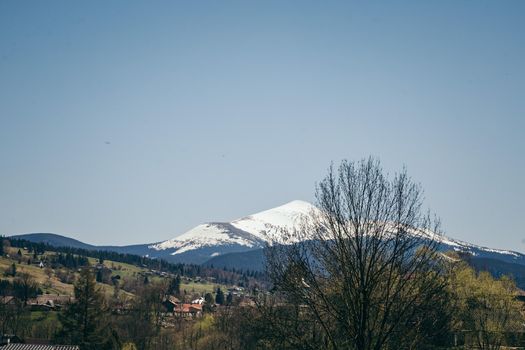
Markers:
point(265, 224)
point(448, 243)
point(251, 231)
point(209, 235)
point(254, 231)
point(244, 237)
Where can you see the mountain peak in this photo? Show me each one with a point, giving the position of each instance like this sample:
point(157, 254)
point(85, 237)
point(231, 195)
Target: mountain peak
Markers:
point(269, 227)
point(297, 205)
point(294, 208)
point(251, 231)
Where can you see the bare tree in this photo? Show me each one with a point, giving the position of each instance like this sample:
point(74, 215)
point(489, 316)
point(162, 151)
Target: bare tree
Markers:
point(27, 286)
point(365, 264)
point(144, 322)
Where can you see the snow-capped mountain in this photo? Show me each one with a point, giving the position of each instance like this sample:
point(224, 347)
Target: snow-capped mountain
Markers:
point(253, 232)
point(246, 233)
point(220, 241)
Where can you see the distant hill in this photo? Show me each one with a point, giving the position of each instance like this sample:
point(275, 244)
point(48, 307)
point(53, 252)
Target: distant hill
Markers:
point(55, 240)
point(62, 241)
point(69, 259)
point(482, 260)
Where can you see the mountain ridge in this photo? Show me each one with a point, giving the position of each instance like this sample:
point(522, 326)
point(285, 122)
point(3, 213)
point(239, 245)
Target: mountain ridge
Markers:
point(252, 232)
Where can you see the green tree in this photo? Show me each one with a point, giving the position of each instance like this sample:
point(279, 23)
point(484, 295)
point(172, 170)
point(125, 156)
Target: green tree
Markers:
point(208, 302)
point(5, 245)
point(219, 296)
point(13, 270)
point(174, 287)
point(84, 322)
point(99, 275)
point(486, 307)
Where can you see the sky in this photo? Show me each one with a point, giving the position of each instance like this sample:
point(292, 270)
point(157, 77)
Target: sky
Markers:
point(133, 121)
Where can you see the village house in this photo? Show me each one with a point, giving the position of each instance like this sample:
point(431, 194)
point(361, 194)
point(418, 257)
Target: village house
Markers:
point(8, 339)
point(199, 301)
point(38, 263)
point(49, 302)
point(7, 300)
point(188, 310)
point(170, 302)
point(236, 291)
point(247, 302)
point(176, 307)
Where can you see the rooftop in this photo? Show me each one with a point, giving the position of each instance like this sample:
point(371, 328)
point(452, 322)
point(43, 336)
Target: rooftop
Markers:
point(38, 347)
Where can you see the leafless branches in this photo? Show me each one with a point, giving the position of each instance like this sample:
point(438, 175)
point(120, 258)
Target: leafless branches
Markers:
point(366, 265)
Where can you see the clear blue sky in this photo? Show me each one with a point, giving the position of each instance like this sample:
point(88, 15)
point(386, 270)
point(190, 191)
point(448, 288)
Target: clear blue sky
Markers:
point(132, 121)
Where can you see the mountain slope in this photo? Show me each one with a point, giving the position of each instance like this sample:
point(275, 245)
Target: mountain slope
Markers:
point(250, 233)
point(253, 232)
point(499, 268)
point(253, 260)
point(485, 258)
point(247, 233)
point(54, 240)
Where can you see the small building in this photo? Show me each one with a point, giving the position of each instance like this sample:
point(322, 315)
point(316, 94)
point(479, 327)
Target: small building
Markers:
point(245, 302)
point(170, 302)
point(38, 263)
point(7, 300)
point(8, 339)
point(199, 301)
point(188, 310)
point(49, 302)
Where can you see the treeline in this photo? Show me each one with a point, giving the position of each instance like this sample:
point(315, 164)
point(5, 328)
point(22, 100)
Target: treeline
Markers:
point(19, 288)
point(95, 320)
point(101, 255)
point(473, 310)
point(467, 310)
point(68, 260)
point(76, 257)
